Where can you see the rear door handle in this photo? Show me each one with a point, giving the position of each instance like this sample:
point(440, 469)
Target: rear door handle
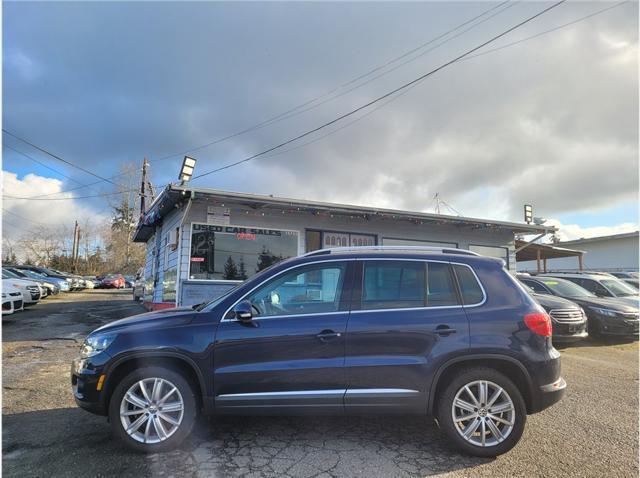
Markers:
point(445, 330)
point(328, 335)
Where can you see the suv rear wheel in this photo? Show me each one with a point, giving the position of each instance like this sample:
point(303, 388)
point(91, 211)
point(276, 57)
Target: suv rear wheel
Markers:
point(482, 412)
point(152, 409)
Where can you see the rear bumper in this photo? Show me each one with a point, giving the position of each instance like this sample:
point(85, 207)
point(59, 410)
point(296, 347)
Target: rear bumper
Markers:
point(548, 395)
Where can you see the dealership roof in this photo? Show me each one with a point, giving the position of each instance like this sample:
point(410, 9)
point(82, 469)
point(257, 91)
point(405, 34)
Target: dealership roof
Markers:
point(624, 235)
point(173, 195)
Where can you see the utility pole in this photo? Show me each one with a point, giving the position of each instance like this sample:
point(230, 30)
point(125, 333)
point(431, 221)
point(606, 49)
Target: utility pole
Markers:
point(143, 183)
point(76, 246)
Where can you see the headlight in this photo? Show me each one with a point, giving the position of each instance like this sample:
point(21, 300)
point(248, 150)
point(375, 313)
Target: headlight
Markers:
point(4, 295)
point(607, 312)
point(95, 344)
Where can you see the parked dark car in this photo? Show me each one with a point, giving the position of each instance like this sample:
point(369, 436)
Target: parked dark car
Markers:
point(442, 332)
point(606, 316)
point(568, 319)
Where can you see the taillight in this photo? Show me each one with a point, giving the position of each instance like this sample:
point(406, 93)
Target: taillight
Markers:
point(539, 323)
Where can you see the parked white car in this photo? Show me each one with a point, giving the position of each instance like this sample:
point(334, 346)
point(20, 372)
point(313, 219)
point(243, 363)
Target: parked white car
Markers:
point(31, 291)
point(12, 299)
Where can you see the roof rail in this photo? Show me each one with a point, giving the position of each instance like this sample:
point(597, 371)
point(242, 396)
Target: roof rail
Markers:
point(593, 273)
point(442, 250)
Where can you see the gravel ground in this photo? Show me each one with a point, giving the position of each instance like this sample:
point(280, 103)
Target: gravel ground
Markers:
point(592, 432)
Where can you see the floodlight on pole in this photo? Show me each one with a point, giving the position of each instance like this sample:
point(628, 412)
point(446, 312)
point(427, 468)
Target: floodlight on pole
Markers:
point(186, 171)
point(528, 213)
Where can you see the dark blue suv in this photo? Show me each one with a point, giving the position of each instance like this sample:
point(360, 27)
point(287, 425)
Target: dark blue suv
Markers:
point(438, 332)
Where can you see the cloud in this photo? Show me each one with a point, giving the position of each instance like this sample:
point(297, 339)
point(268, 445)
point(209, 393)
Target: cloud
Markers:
point(21, 216)
point(552, 121)
point(569, 232)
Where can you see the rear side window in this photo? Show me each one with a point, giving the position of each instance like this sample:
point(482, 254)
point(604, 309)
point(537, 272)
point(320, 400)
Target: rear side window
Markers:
point(440, 286)
point(469, 286)
point(393, 285)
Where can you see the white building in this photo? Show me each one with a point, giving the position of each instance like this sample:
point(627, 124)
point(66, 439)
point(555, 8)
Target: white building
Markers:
point(618, 252)
point(200, 242)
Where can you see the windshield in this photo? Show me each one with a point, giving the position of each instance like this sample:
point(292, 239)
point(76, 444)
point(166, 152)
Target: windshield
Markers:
point(619, 288)
point(9, 275)
point(565, 288)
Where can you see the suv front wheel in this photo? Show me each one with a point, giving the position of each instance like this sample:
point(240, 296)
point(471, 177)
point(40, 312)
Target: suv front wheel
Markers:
point(482, 412)
point(152, 409)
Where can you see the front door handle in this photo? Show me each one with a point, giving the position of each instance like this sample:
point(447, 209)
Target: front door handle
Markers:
point(328, 335)
point(445, 330)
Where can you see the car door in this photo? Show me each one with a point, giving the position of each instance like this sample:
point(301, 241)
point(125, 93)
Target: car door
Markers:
point(290, 355)
point(406, 319)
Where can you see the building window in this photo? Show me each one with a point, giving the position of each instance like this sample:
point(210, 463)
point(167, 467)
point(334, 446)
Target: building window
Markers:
point(236, 253)
point(390, 241)
point(492, 251)
point(315, 240)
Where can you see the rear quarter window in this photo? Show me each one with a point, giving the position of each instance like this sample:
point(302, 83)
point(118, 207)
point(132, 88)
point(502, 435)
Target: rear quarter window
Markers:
point(469, 287)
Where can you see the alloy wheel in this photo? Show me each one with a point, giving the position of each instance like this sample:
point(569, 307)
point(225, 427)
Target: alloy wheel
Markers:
point(483, 413)
point(151, 410)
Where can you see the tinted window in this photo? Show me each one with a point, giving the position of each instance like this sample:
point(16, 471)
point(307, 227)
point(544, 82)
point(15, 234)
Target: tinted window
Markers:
point(393, 285)
point(592, 286)
point(535, 286)
point(440, 285)
point(469, 287)
point(314, 289)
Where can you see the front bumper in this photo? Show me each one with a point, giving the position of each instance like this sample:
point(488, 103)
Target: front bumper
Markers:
point(564, 332)
point(84, 383)
point(616, 326)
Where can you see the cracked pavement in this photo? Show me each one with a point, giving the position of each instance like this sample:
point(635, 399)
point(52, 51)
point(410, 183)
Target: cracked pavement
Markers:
point(592, 432)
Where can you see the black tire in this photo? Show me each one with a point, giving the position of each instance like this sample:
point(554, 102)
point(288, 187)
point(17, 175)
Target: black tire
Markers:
point(188, 418)
point(446, 421)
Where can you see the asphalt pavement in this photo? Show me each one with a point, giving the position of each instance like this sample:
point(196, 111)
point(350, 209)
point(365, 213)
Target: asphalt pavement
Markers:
point(592, 432)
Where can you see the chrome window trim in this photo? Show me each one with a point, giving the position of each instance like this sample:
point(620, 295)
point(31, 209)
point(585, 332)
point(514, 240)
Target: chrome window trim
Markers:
point(381, 391)
point(434, 307)
point(273, 277)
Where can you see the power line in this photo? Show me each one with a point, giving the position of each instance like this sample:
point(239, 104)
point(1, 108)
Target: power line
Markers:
point(564, 25)
point(299, 109)
point(22, 217)
point(33, 198)
point(386, 95)
point(56, 156)
point(41, 163)
point(393, 98)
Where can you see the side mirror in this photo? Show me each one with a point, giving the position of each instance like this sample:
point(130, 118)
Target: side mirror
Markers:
point(243, 311)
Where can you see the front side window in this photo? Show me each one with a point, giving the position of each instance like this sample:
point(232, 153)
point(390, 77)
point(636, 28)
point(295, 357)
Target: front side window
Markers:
point(314, 289)
point(619, 288)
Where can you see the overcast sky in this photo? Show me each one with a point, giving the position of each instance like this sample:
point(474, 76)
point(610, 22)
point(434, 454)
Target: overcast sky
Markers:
point(552, 121)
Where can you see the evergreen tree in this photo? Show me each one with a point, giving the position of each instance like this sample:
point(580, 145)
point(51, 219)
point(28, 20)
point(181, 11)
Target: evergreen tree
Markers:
point(230, 270)
point(242, 272)
point(265, 259)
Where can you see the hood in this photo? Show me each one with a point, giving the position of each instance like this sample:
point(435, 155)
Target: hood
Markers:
point(24, 282)
point(178, 315)
point(550, 302)
point(633, 301)
point(620, 304)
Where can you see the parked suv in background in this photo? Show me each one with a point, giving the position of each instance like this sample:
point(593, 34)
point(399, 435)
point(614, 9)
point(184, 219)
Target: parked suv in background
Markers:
point(419, 331)
point(606, 316)
point(601, 284)
point(568, 319)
